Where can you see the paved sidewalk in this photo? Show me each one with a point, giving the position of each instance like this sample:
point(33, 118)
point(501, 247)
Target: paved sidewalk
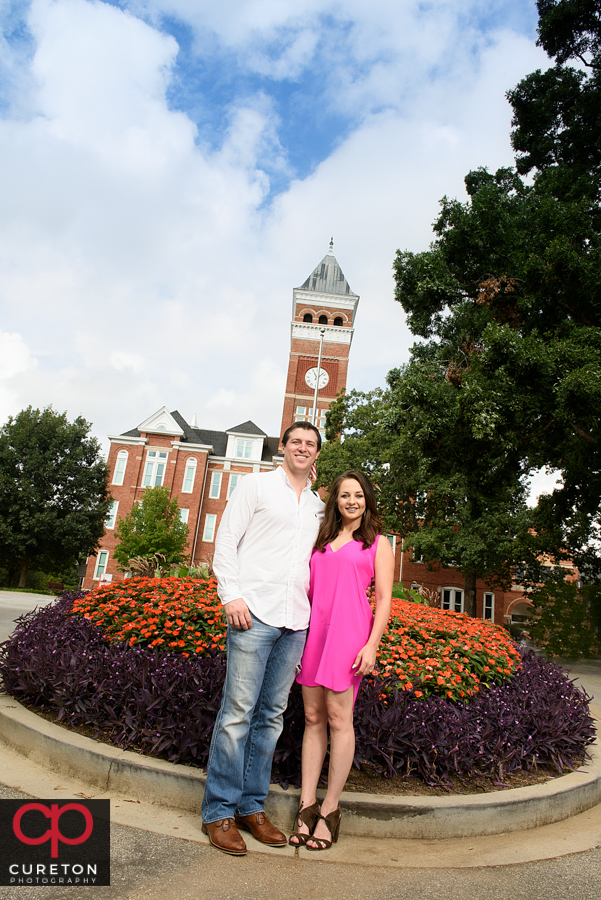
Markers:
point(14, 604)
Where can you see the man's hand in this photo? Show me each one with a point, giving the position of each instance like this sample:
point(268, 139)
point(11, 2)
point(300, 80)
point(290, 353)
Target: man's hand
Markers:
point(237, 614)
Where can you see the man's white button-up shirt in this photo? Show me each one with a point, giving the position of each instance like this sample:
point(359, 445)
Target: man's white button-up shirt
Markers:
point(264, 545)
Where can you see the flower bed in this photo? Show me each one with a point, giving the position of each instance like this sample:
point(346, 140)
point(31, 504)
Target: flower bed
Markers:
point(179, 614)
point(448, 654)
point(430, 651)
point(145, 695)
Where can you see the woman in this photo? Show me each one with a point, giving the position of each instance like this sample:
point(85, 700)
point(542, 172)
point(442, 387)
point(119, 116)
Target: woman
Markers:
point(341, 646)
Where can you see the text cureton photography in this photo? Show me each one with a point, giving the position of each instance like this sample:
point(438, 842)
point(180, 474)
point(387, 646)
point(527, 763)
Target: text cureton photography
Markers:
point(50, 842)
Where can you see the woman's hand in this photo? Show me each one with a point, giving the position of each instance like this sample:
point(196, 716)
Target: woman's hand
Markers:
point(365, 660)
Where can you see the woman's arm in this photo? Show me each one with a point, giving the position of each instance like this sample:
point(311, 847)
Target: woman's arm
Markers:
point(384, 572)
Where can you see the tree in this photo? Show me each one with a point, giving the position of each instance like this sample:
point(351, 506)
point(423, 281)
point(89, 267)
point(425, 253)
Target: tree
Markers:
point(152, 526)
point(557, 113)
point(53, 491)
point(507, 375)
point(566, 618)
point(442, 473)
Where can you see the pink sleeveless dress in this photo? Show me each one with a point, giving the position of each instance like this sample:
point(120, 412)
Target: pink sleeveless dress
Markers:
point(341, 617)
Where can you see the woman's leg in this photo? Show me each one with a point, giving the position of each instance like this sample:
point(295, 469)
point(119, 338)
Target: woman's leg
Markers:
point(315, 744)
point(339, 706)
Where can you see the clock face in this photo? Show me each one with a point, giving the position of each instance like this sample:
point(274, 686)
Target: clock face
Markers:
point(311, 377)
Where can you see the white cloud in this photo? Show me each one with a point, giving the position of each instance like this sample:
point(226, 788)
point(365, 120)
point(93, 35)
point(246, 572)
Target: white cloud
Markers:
point(544, 481)
point(15, 359)
point(145, 269)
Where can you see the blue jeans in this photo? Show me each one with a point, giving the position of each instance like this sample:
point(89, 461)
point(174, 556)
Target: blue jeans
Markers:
point(261, 665)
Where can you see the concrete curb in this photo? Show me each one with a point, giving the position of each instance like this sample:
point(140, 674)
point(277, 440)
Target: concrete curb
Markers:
point(121, 772)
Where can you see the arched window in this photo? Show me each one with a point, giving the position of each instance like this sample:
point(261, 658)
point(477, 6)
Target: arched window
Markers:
point(338, 320)
point(307, 317)
point(120, 465)
point(154, 473)
point(189, 476)
point(323, 320)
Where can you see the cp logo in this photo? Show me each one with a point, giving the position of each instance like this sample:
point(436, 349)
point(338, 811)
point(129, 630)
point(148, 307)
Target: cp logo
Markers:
point(53, 812)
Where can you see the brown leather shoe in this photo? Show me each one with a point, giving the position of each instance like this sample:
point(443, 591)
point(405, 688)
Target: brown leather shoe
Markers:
point(224, 835)
point(262, 830)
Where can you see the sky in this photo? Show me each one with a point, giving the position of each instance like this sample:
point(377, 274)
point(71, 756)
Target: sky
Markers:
point(172, 169)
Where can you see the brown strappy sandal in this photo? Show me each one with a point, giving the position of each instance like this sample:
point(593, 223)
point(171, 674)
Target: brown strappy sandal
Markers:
point(307, 816)
point(333, 823)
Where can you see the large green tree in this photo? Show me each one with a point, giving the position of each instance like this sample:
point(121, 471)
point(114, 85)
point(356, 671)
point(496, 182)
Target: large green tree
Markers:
point(510, 291)
point(53, 491)
point(152, 526)
point(506, 377)
point(443, 473)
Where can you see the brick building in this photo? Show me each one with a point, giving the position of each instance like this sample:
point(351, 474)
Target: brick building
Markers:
point(202, 467)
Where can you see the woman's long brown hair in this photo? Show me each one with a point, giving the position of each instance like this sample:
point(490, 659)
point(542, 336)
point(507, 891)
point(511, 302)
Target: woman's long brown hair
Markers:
point(370, 526)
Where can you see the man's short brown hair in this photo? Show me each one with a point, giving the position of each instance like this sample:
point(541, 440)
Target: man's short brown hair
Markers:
point(306, 426)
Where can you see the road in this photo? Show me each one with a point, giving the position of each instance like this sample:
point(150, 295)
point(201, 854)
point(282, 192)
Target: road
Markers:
point(14, 604)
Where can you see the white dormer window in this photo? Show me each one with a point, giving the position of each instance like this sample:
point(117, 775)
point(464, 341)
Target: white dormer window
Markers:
point(244, 449)
point(154, 473)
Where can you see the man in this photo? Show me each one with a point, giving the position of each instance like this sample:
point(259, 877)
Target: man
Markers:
point(261, 561)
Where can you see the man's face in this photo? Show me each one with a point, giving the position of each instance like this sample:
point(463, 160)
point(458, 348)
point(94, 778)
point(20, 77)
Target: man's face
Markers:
point(301, 450)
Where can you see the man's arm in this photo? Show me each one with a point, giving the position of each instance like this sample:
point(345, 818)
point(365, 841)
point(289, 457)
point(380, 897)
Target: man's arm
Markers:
point(236, 519)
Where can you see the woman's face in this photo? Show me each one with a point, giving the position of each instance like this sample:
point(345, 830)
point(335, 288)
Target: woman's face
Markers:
point(351, 502)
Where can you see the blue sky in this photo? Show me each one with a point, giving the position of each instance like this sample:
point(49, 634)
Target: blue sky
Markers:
point(171, 169)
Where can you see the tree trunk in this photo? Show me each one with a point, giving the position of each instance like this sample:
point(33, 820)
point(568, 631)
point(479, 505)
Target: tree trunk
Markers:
point(469, 600)
point(12, 569)
point(23, 575)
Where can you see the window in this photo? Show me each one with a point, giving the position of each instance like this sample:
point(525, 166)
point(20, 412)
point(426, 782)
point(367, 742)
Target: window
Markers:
point(244, 449)
point(215, 488)
point(101, 563)
point(183, 514)
point(234, 479)
point(323, 320)
point(307, 317)
point(209, 532)
point(120, 465)
point(112, 516)
point(488, 607)
point(189, 475)
point(301, 410)
point(155, 468)
point(452, 599)
point(391, 538)
point(338, 321)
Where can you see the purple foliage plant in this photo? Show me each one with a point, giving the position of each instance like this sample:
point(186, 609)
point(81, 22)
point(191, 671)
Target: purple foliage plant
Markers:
point(165, 705)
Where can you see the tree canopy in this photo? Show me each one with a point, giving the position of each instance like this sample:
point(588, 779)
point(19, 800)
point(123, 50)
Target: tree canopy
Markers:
point(152, 526)
point(506, 376)
point(53, 491)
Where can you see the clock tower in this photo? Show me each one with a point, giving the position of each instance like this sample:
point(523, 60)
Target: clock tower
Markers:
point(323, 317)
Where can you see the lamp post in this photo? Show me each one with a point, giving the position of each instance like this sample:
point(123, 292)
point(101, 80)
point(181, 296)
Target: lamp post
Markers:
point(322, 332)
